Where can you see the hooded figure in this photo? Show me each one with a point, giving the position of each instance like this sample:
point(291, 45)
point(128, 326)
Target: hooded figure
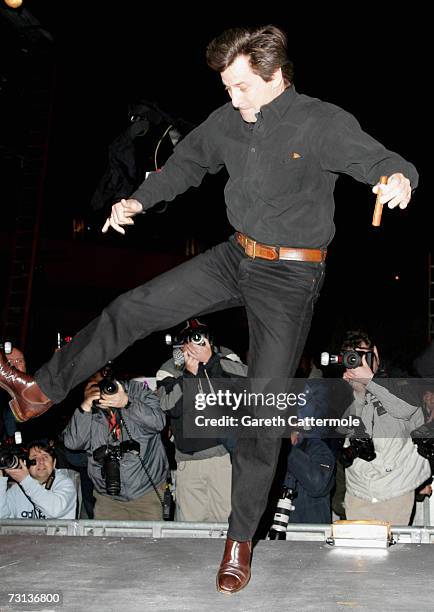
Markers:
point(142, 147)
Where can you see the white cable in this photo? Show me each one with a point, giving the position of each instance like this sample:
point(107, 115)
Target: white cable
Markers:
point(158, 145)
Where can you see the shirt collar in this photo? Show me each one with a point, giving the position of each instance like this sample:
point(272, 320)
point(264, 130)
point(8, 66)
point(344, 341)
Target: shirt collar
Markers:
point(280, 105)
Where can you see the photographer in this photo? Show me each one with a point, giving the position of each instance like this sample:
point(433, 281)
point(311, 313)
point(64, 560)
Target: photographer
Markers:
point(309, 479)
point(41, 491)
point(383, 467)
point(310, 463)
point(119, 426)
point(204, 471)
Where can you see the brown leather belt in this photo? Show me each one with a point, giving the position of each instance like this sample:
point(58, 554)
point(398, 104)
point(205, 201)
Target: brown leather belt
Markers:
point(255, 249)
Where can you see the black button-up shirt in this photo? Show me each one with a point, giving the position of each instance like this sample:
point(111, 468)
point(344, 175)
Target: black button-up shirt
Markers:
point(282, 169)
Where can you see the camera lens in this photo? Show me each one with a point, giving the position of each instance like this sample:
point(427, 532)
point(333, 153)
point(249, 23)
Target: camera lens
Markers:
point(351, 359)
point(8, 460)
point(281, 516)
point(197, 338)
point(107, 386)
point(112, 476)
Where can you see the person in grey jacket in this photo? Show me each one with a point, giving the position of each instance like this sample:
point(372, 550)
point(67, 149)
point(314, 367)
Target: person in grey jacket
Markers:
point(41, 491)
point(383, 488)
point(106, 423)
point(204, 470)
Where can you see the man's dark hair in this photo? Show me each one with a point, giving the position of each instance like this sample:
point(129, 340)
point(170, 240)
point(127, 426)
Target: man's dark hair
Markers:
point(265, 46)
point(354, 338)
point(43, 445)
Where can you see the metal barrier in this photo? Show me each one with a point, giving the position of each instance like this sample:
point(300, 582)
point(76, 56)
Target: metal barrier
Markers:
point(124, 529)
point(173, 529)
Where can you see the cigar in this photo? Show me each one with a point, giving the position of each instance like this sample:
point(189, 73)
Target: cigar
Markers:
point(376, 217)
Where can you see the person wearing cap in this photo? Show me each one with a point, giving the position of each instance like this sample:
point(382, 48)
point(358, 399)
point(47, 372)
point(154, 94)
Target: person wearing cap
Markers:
point(204, 470)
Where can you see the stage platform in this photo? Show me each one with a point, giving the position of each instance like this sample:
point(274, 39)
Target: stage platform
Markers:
point(171, 572)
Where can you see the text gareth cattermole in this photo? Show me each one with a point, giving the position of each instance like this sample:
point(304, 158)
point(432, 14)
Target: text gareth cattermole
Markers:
point(228, 399)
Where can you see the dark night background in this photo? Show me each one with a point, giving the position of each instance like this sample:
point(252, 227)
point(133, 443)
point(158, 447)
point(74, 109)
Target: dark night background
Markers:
point(373, 65)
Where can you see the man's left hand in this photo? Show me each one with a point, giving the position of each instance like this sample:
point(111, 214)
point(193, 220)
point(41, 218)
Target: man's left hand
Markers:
point(117, 400)
point(121, 214)
point(18, 474)
point(397, 191)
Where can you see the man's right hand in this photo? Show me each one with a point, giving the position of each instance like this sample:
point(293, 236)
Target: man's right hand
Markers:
point(195, 354)
point(19, 473)
point(122, 213)
point(191, 364)
point(92, 394)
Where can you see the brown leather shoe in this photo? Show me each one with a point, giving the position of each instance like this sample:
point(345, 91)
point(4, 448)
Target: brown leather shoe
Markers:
point(28, 401)
point(234, 570)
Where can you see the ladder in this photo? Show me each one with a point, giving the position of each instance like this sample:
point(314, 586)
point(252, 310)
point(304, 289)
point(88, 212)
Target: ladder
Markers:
point(37, 106)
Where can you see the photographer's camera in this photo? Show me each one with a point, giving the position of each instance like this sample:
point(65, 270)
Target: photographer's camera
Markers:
point(109, 458)
point(348, 359)
point(281, 516)
point(12, 451)
point(195, 332)
point(361, 446)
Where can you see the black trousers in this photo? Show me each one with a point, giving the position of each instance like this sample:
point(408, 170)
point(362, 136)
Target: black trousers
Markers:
point(278, 297)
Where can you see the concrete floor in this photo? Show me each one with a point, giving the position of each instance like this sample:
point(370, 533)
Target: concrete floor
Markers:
point(129, 574)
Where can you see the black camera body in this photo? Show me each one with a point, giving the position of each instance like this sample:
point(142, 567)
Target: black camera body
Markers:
point(423, 438)
point(109, 458)
point(11, 451)
point(361, 446)
point(107, 385)
point(193, 336)
point(168, 505)
point(348, 359)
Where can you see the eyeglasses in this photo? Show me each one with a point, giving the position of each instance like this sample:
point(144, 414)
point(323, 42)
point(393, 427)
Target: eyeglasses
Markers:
point(12, 361)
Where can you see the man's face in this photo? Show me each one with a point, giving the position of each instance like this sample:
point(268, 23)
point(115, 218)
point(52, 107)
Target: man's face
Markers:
point(247, 90)
point(44, 464)
point(16, 359)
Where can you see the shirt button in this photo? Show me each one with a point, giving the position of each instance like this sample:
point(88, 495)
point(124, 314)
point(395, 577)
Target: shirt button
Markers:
point(253, 150)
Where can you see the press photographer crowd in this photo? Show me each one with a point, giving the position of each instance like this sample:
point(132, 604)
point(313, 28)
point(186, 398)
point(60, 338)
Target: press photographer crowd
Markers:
point(119, 450)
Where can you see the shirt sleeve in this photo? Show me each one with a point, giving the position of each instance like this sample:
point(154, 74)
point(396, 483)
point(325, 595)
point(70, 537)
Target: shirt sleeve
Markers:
point(170, 392)
point(394, 405)
point(345, 147)
point(145, 406)
point(53, 502)
point(76, 435)
point(197, 154)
